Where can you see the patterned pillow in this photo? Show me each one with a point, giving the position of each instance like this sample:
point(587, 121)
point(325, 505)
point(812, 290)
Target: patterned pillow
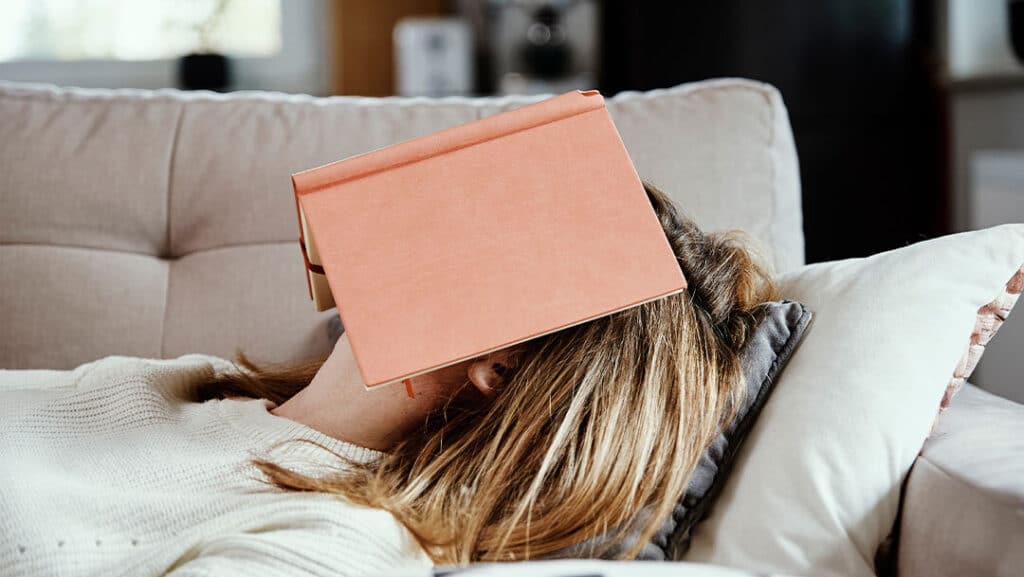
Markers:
point(990, 318)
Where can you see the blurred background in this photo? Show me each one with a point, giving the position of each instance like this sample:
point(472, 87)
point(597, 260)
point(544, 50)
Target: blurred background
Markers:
point(908, 115)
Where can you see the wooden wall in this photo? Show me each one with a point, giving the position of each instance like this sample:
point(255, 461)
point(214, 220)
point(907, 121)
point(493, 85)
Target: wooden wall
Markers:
point(360, 32)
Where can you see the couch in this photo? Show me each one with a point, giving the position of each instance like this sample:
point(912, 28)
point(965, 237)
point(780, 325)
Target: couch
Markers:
point(159, 223)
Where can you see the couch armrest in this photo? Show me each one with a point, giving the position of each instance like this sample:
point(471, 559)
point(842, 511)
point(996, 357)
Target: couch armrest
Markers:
point(963, 509)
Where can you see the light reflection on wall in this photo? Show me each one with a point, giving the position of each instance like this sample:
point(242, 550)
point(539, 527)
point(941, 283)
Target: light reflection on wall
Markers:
point(137, 29)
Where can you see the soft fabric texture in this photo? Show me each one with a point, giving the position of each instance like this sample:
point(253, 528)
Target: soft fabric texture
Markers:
point(108, 470)
point(963, 511)
point(130, 217)
point(816, 486)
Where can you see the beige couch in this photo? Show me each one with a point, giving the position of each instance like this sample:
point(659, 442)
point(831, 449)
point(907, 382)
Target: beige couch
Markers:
point(159, 223)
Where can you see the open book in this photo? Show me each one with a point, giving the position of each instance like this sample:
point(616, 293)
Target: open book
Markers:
point(465, 241)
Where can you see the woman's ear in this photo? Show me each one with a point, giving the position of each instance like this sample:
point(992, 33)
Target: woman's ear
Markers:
point(487, 373)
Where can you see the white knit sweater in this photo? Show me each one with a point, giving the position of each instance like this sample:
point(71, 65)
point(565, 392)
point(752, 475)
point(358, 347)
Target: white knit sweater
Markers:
point(108, 470)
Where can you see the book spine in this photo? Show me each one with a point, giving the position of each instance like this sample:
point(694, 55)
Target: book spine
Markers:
point(434, 144)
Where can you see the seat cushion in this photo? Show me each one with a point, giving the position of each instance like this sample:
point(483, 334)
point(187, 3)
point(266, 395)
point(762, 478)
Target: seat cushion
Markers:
point(61, 305)
point(963, 511)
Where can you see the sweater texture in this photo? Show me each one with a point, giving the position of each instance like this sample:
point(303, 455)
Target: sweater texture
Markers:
point(108, 469)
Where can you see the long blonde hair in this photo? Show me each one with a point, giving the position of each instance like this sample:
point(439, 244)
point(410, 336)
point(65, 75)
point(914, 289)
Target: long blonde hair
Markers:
point(594, 423)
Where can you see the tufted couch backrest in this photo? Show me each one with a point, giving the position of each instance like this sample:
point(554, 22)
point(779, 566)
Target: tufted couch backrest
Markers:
point(159, 223)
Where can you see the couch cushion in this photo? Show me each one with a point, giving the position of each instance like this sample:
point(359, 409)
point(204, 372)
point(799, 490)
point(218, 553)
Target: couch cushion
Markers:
point(168, 175)
point(85, 168)
point(963, 511)
point(237, 154)
point(61, 306)
point(253, 295)
point(724, 150)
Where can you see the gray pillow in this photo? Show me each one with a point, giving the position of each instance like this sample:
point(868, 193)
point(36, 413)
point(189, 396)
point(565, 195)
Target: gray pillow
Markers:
point(778, 333)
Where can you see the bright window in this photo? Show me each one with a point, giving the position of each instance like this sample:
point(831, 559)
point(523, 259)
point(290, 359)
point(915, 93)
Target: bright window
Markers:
point(137, 29)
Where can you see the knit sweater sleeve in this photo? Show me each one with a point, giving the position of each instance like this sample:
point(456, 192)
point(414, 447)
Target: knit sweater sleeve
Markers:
point(369, 543)
point(22, 379)
point(42, 379)
point(174, 375)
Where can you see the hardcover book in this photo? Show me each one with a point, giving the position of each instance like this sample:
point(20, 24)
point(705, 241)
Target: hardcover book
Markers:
point(462, 242)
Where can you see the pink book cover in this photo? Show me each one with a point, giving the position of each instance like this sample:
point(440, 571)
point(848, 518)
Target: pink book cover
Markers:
point(465, 241)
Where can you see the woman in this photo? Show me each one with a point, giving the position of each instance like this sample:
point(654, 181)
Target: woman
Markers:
point(196, 466)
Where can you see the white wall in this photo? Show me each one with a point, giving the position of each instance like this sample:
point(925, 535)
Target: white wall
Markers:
point(977, 40)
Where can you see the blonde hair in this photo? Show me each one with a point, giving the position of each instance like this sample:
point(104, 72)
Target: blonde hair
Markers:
point(594, 424)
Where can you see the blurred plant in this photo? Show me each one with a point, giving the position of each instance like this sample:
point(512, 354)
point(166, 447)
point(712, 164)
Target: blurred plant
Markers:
point(202, 17)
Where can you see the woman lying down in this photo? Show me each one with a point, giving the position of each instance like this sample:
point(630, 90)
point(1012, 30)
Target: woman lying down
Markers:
point(198, 467)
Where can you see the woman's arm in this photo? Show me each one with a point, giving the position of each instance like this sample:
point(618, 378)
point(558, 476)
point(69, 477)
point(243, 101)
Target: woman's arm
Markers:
point(32, 379)
point(175, 375)
point(42, 379)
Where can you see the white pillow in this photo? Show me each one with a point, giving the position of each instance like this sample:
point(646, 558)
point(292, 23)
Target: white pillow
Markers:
point(816, 486)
